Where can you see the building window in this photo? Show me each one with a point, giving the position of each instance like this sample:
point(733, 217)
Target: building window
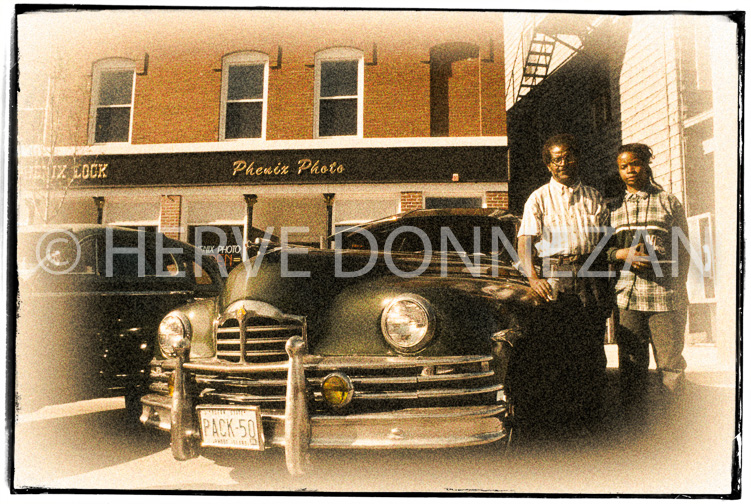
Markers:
point(339, 91)
point(244, 90)
point(112, 101)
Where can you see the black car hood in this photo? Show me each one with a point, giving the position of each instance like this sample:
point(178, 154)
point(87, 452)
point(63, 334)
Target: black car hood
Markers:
point(298, 277)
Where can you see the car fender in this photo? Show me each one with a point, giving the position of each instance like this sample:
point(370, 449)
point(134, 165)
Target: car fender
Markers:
point(468, 312)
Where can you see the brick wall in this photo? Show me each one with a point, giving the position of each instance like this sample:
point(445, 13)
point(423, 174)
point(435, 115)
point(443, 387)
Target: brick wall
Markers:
point(178, 95)
point(464, 99)
point(496, 199)
point(169, 220)
point(411, 201)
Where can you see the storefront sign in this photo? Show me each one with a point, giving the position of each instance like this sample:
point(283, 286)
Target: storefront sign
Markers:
point(323, 166)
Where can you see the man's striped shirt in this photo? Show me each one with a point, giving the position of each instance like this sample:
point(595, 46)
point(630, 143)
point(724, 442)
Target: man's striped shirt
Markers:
point(564, 220)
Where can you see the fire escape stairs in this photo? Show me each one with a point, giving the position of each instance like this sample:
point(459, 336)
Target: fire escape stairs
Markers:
point(546, 35)
point(537, 63)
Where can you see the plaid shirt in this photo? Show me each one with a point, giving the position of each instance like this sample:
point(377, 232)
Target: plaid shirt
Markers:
point(652, 217)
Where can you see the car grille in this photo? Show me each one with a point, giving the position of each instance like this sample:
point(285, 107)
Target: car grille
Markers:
point(262, 341)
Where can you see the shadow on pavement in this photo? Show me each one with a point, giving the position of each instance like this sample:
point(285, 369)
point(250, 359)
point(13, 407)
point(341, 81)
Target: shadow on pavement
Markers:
point(70, 445)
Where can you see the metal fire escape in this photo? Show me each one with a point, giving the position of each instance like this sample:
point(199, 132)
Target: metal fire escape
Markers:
point(544, 37)
point(537, 63)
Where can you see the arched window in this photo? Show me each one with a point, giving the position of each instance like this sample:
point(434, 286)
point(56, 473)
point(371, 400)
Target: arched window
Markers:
point(244, 91)
point(339, 92)
point(112, 100)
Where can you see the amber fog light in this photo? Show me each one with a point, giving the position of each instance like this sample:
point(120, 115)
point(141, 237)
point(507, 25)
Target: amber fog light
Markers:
point(337, 390)
point(171, 384)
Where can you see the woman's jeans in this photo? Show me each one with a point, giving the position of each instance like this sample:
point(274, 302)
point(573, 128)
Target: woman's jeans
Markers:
point(665, 331)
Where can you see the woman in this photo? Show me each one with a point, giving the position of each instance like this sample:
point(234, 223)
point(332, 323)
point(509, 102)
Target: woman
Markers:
point(651, 287)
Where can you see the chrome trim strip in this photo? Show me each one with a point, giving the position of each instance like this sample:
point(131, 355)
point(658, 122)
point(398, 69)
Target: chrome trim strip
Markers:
point(145, 293)
point(421, 394)
point(252, 341)
point(250, 353)
point(240, 382)
point(220, 366)
point(416, 379)
point(159, 387)
point(380, 362)
point(272, 328)
point(156, 401)
point(242, 398)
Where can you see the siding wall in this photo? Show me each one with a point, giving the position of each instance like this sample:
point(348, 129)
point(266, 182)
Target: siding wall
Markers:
point(650, 109)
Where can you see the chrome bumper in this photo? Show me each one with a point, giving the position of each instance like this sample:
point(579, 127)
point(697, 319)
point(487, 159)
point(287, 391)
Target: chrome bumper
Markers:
point(297, 431)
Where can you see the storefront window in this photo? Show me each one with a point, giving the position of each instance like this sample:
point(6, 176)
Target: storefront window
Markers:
point(223, 242)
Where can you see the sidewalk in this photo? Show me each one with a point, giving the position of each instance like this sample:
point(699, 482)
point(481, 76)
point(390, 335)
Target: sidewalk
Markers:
point(703, 365)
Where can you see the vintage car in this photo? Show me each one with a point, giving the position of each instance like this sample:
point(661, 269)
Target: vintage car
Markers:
point(88, 318)
point(395, 337)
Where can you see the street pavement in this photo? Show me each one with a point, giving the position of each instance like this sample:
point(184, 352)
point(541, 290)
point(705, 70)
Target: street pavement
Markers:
point(671, 446)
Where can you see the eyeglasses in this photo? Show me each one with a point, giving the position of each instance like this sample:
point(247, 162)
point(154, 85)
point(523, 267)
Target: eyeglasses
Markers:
point(563, 160)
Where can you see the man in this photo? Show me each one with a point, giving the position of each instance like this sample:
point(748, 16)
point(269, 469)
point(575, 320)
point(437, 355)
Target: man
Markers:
point(562, 225)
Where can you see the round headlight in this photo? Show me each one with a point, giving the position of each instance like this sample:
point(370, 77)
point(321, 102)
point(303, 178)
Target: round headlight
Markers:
point(408, 323)
point(174, 328)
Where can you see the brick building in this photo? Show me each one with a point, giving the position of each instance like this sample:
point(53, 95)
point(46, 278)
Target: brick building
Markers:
point(670, 81)
point(244, 119)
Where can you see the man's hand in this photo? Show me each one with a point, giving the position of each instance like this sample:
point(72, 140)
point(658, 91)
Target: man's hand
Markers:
point(542, 288)
point(539, 285)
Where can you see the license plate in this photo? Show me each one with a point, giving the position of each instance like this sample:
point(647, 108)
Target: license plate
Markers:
point(231, 427)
